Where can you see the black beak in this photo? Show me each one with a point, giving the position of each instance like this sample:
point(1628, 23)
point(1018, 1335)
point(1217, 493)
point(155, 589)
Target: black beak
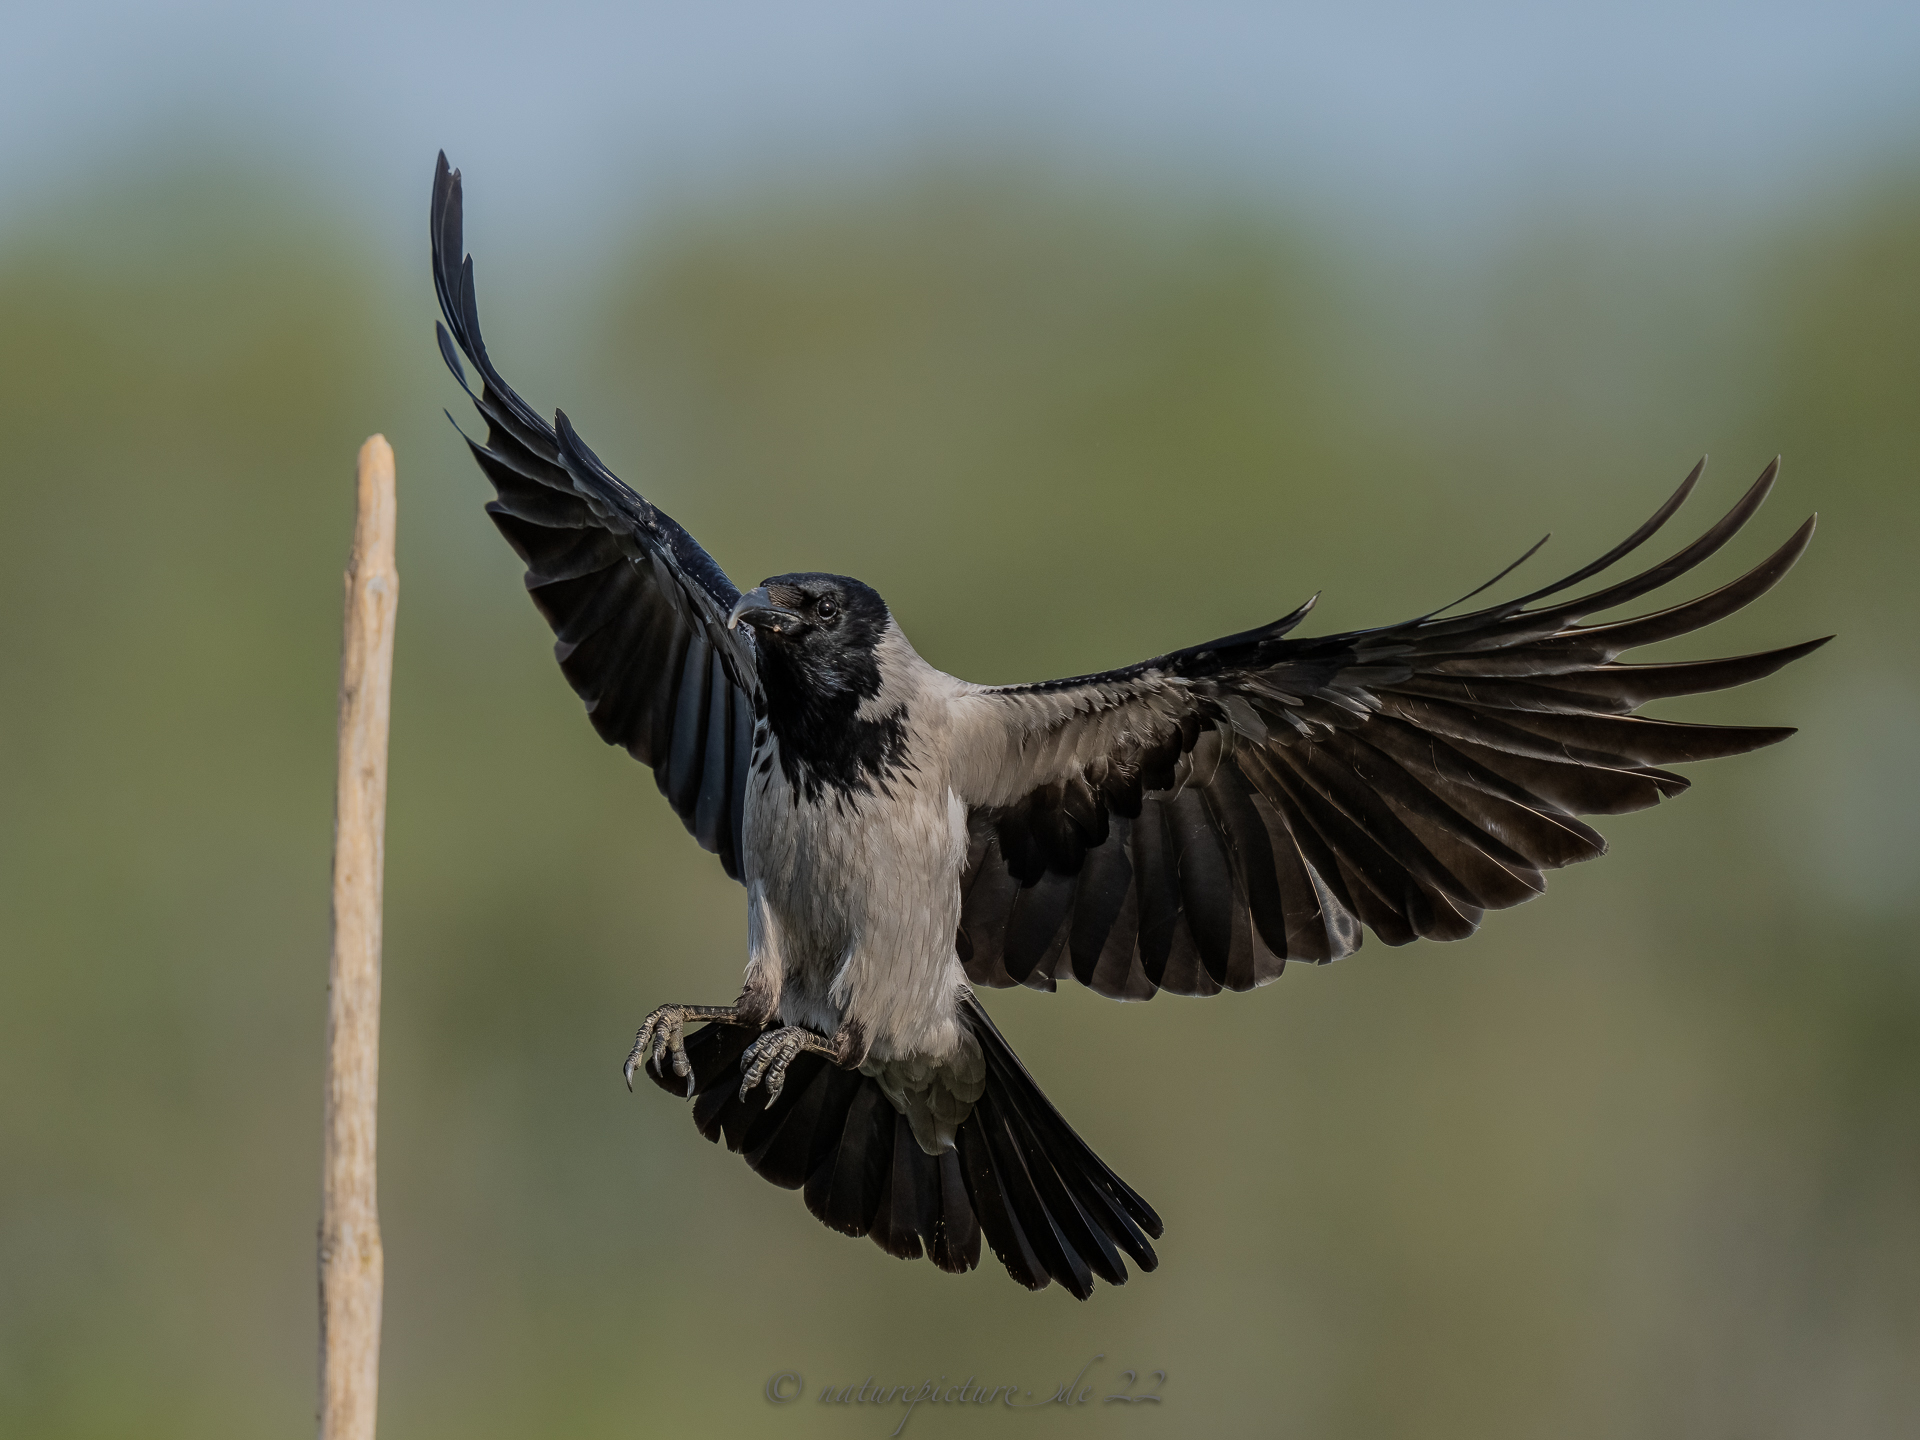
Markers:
point(758, 609)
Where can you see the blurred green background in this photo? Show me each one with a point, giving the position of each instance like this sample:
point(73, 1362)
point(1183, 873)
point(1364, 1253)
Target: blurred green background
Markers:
point(1639, 1159)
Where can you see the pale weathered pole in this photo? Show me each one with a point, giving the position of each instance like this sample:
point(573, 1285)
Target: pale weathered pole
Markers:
point(352, 1268)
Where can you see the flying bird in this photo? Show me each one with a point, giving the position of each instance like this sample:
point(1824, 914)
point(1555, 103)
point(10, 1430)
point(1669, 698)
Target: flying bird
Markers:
point(1190, 824)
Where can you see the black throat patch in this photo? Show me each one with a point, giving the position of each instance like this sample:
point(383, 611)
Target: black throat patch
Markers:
point(826, 748)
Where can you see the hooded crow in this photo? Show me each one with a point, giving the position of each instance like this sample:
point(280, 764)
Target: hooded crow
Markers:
point(1189, 824)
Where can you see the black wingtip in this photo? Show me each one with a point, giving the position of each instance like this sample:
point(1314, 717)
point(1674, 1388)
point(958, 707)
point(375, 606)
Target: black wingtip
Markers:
point(446, 186)
point(1292, 618)
point(1532, 551)
point(574, 453)
point(445, 234)
point(583, 464)
point(444, 215)
point(1787, 654)
point(1685, 559)
point(451, 355)
point(1260, 634)
point(1639, 537)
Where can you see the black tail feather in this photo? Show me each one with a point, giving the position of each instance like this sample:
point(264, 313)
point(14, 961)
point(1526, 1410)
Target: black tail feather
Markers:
point(1019, 1177)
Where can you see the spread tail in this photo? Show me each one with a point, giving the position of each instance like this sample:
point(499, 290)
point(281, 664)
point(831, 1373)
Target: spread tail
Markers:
point(1018, 1174)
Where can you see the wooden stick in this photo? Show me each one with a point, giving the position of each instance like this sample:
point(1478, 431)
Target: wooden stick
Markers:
point(352, 1267)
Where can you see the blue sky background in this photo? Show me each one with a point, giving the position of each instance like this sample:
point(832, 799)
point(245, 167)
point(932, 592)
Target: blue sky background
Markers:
point(1442, 121)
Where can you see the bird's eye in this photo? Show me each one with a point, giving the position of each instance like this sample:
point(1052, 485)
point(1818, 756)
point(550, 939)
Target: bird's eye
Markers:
point(827, 610)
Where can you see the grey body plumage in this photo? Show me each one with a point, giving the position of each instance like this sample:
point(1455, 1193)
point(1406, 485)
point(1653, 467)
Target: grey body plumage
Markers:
point(853, 894)
point(1192, 823)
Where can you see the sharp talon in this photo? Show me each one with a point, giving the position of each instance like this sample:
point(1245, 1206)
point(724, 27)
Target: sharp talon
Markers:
point(662, 1035)
point(634, 1059)
point(769, 1058)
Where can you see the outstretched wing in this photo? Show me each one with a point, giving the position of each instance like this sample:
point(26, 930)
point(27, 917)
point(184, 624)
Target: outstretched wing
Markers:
point(1193, 822)
point(638, 609)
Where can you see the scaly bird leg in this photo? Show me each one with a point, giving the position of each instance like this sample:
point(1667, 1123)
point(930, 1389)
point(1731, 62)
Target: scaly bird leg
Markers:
point(664, 1033)
point(770, 1055)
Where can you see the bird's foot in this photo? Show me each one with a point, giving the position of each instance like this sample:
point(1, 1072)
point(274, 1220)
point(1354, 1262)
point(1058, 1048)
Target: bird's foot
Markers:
point(664, 1034)
point(769, 1056)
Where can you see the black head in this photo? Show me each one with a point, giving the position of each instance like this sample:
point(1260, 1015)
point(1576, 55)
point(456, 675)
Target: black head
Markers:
point(818, 638)
point(817, 632)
